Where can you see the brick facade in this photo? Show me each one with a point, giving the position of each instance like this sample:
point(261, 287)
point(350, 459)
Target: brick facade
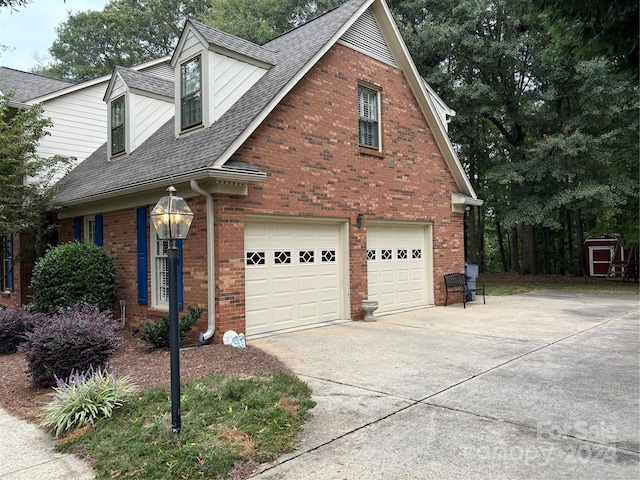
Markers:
point(308, 146)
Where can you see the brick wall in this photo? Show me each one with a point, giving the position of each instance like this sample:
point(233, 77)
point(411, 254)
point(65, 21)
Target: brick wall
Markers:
point(308, 146)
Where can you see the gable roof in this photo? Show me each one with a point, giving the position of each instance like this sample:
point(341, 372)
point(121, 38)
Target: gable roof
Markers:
point(142, 82)
point(27, 86)
point(164, 159)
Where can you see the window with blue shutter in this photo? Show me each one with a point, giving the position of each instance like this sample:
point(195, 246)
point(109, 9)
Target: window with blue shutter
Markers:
point(142, 249)
point(77, 228)
point(98, 239)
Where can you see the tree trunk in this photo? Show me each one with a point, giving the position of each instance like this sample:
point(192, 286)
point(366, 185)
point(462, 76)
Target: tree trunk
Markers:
point(515, 263)
point(579, 241)
point(546, 247)
point(529, 250)
point(503, 255)
point(561, 253)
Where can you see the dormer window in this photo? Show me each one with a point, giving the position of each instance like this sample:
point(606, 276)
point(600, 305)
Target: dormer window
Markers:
point(190, 94)
point(117, 126)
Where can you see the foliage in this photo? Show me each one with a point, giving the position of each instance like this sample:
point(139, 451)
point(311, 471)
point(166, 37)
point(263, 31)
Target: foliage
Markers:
point(225, 419)
point(498, 285)
point(76, 338)
point(74, 273)
point(23, 201)
point(84, 397)
point(14, 3)
point(262, 20)
point(127, 32)
point(14, 325)
point(157, 333)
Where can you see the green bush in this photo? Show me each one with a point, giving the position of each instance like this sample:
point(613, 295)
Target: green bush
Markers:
point(84, 397)
point(74, 273)
point(74, 339)
point(157, 333)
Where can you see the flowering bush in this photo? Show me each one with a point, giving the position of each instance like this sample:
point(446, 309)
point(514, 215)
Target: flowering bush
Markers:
point(76, 338)
point(84, 397)
point(14, 324)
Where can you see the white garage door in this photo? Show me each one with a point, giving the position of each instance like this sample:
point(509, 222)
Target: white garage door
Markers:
point(397, 259)
point(293, 275)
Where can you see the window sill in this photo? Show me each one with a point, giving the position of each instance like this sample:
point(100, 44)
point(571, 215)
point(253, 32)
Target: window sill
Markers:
point(371, 152)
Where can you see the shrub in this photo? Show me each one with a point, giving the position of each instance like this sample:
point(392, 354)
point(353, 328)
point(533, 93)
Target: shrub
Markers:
point(84, 397)
point(157, 333)
point(14, 324)
point(76, 338)
point(74, 273)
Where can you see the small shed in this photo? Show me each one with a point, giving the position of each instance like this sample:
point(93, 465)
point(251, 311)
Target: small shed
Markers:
point(600, 251)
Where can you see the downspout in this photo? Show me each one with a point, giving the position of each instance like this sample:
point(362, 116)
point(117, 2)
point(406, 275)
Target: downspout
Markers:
point(211, 269)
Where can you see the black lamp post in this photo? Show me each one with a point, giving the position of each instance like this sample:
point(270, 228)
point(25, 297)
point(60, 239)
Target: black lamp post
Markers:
point(172, 218)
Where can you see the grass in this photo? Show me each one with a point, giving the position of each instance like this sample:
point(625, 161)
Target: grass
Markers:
point(224, 419)
point(502, 287)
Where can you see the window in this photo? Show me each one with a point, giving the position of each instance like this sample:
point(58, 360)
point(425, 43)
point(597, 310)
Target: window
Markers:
point(161, 272)
point(90, 230)
point(6, 263)
point(368, 118)
point(117, 126)
point(190, 94)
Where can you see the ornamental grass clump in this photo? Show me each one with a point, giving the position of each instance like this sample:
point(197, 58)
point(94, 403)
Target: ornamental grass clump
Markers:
point(85, 397)
point(74, 339)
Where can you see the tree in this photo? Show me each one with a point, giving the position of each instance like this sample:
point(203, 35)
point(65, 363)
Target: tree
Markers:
point(538, 148)
point(261, 20)
point(14, 3)
point(125, 33)
point(25, 178)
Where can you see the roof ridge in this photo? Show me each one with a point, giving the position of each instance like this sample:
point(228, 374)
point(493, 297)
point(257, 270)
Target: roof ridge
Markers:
point(39, 75)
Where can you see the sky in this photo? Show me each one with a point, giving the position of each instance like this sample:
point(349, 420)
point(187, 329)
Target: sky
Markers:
point(30, 31)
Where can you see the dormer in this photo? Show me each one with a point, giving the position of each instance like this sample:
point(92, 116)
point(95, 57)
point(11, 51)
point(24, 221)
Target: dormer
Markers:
point(138, 103)
point(213, 70)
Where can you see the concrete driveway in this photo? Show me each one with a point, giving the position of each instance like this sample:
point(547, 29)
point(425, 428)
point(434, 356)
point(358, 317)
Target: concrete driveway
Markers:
point(542, 385)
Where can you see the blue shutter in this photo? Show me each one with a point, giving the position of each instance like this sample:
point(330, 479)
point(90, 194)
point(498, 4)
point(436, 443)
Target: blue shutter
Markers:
point(99, 239)
point(180, 293)
point(77, 228)
point(9, 263)
point(142, 254)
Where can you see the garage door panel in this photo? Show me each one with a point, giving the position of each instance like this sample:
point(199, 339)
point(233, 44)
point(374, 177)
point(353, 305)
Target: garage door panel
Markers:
point(300, 270)
point(396, 266)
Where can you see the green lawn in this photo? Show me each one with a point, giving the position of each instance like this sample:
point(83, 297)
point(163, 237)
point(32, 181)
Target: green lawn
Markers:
point(224, 419)
point(514, 284)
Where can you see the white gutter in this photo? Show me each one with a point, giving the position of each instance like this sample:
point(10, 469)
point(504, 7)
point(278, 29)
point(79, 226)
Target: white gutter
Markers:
point(211, 270)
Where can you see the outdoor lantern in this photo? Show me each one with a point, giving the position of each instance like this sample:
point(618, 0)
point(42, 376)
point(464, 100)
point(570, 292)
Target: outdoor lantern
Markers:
point(360, 220)
point(171, 217)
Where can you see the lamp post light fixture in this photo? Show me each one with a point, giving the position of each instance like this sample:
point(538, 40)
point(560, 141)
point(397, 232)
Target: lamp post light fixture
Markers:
point(171, 217)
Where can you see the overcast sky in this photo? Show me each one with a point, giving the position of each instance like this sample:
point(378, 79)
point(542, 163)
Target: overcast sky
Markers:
point(31, 30)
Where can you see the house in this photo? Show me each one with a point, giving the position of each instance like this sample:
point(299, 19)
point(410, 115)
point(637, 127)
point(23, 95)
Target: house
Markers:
point(317, 165)
point(79, 126)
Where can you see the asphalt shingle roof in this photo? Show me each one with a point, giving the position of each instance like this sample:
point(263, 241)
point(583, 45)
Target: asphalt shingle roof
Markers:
point(27, 86)
point(146, 82)
point(163, 156)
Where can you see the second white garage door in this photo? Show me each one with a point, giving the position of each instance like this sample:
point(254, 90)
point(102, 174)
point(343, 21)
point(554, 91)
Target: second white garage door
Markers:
point(398, 258)
point(293, 275)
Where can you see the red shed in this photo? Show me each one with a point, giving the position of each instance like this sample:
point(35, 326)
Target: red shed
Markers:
point(600, 251)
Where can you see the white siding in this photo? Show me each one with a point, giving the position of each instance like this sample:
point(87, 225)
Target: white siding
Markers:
point(79, 123)
point(231, 79)
point(163, 70)
point(366, 37)
point(147, 116)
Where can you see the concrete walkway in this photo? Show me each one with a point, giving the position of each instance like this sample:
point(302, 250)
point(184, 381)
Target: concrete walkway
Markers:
point(27, 454)
point(543, 385)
